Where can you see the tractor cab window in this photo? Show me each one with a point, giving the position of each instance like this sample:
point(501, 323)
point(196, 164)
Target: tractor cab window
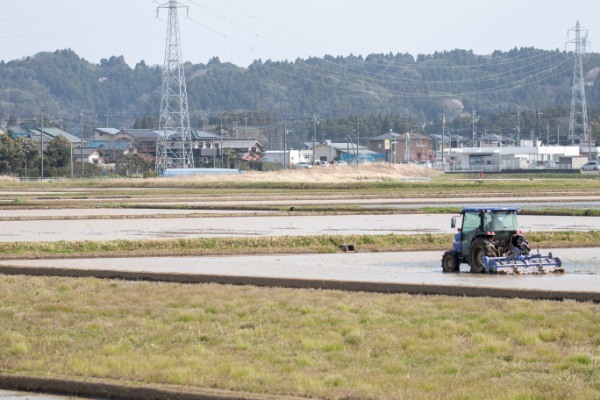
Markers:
point(500, 221)
point(471, 221)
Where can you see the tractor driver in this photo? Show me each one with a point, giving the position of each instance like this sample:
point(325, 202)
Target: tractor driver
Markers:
point(492, 222)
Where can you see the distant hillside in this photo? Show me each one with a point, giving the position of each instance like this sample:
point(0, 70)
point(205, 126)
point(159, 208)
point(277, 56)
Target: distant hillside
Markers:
point(62, 85)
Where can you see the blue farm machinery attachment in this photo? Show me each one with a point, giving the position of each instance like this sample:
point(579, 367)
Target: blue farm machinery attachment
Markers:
point(530, 264)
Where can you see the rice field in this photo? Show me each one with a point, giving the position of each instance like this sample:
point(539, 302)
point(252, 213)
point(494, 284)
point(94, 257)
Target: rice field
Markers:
point(313, 343)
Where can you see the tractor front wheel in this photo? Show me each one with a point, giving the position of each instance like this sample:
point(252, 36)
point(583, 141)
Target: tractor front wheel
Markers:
point(450, 262)
point(480, 248)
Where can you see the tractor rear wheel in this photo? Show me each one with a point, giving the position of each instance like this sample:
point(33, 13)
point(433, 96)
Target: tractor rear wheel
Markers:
point(481, 247)
point(450, 262)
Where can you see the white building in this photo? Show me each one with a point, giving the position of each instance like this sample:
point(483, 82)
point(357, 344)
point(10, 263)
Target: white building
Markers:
point(501, 158)
point(293, 156)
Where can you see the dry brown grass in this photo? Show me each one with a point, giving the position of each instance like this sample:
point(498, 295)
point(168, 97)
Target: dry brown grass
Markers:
point(378, 172)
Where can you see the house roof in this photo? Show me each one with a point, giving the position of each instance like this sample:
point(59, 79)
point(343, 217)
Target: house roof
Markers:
point(341, 146)
point(108, 131)
point(110, 145)
point(141, 134)
point(203, 135)
point(496, 137)
point(455, 138)
point(458, 138)
point(438, 137)
point(239, 143)
point(15, 135)
point(55, 132)
point(86, 152)
point(345, 147)
point(402, 136)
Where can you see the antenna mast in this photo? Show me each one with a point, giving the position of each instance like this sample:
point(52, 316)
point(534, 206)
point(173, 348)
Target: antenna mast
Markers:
point(578, 122)
point(174, 141)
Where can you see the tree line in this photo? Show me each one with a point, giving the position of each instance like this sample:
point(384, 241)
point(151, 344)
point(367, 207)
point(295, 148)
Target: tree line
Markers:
point(334, 98)
point(62, 84)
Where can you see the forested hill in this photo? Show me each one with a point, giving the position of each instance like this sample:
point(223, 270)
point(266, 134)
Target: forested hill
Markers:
point(63, 85)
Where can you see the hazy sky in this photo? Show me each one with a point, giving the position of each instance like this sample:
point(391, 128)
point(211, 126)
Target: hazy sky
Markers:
point(241, 31)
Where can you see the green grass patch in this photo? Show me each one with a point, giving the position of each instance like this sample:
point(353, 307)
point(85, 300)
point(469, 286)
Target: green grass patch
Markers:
point(327, 344)
point(271, 245)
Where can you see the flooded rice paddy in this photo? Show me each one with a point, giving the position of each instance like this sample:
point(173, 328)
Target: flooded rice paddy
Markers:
point(133, 228)
point(582, 269)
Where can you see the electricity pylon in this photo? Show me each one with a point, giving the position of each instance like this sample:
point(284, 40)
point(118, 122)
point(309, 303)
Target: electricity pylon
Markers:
point(174, 141)
point(578, 122)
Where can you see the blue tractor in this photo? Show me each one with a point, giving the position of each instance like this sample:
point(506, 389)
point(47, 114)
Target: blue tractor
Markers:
point(489, 241)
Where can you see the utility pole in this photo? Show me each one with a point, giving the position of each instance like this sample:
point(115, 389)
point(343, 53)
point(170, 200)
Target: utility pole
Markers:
point(315, 120)
point(41, 114)
point(348, 148)
point(221, 132)
point(443, 130)
point(393, 144)
point(519, 128)
point(106, 116)
point(174, 121)
point(214, 155)
point(474, 131)
point(42, 141)
point(246, 127)
point(450, 147)
point(285, 141)
point(357, 140)
point(407, 147)
point(578, 121)
point(81, 141)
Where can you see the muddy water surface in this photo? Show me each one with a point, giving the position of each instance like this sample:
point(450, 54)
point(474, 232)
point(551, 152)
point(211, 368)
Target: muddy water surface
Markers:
point(582, 266)
point(143, 228)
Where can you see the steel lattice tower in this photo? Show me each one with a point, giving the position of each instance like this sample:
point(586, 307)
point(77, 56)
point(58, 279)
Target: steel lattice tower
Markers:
point(174, 142)
point(578, 122)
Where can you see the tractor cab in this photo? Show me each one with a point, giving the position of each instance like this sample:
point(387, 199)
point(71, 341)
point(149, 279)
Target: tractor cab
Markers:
point(497, 224)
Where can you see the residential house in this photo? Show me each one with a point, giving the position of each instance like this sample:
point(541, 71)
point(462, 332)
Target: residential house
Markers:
point(106, 146)
point(329, 152)
point(144, 141)
point(205, 147)
point(402, 147)
point(49, 134)
point(243, 149)
point(89, 155)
